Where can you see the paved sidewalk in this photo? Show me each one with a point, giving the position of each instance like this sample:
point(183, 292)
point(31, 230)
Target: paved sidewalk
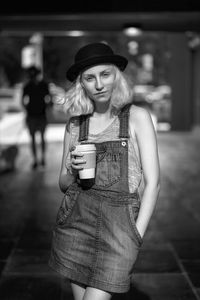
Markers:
point(168, 267)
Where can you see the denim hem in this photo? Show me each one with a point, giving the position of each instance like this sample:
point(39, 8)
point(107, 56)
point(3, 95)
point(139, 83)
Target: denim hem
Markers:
point(73, 275)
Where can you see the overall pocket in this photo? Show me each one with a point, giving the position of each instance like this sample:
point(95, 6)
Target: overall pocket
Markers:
point(132, 214)
point(66, 207)
point(108, 170)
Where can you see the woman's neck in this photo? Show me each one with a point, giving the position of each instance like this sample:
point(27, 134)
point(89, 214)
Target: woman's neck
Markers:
point(101, 109)
point(102, 115)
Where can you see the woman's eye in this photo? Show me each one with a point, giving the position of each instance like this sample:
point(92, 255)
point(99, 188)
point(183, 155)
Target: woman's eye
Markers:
point(88, 78)
point(106, 74)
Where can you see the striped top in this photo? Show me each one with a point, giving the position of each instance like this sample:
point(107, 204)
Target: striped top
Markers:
point(111, 134)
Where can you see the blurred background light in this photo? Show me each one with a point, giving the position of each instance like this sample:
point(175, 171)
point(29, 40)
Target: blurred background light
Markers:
point(133, 47)
point(75, 33)
point(132, 30)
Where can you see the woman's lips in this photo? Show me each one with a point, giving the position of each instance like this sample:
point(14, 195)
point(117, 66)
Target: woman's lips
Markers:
point(100, 93)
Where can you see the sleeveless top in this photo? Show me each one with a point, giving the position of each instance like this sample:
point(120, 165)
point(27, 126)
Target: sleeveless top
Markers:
point(111, 133)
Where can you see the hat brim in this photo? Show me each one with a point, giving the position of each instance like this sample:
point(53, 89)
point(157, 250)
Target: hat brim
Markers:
point(118, 60)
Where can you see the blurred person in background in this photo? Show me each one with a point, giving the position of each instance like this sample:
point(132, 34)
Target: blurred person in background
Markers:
point(36, 97)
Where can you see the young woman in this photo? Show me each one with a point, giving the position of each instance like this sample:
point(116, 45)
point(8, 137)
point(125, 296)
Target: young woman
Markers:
point(99, 229)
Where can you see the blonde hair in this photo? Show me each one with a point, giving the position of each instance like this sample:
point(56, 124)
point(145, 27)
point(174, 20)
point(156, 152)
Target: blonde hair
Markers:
point(76, 102)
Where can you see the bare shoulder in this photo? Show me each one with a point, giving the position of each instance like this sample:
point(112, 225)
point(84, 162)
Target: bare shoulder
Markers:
point(139, 116)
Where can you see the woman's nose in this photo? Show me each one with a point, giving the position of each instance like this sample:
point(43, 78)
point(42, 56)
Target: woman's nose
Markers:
point(99, 85)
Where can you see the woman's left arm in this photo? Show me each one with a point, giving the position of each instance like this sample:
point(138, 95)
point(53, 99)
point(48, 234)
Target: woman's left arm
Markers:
point(141, 123)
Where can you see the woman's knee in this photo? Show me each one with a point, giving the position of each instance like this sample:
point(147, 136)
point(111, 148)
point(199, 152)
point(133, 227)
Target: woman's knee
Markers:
point(78, 290)
point(96, 294)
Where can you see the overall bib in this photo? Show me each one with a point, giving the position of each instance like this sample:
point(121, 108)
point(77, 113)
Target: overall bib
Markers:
point(95, 239)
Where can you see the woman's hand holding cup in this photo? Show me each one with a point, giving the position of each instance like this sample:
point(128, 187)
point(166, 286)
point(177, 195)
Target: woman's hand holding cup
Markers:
point(83, 161)
point(77, 160)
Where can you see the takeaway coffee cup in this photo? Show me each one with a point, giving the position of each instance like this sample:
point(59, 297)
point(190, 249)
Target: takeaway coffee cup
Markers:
point(89, 155)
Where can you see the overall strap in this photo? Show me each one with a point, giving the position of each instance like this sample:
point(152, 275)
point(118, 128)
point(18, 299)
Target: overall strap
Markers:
point(124, 122)
point(83, 127)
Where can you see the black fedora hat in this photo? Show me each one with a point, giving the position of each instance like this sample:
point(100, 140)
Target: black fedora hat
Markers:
point(94, 54)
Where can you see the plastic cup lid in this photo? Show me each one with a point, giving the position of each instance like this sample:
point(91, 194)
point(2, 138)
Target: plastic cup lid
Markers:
point(86, 147)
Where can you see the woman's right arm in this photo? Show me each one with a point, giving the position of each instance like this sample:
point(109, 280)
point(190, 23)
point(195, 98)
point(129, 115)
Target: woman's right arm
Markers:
point(66, 177)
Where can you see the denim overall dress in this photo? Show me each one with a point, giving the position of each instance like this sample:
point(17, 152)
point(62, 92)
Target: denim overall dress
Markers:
point(95, 239)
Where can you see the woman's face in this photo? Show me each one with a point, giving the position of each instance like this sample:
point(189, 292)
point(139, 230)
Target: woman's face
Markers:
point(98, 82)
